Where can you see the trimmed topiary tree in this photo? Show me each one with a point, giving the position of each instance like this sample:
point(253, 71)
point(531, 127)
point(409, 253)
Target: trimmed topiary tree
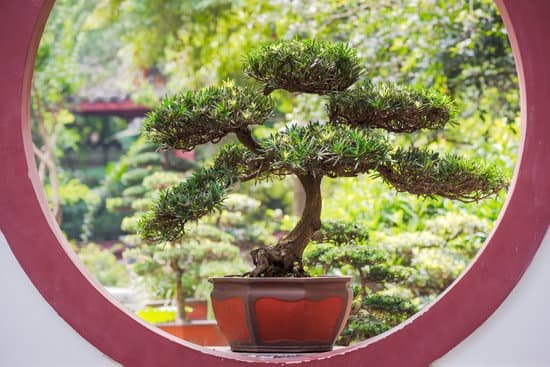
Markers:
point(350, 143)
point(396, 274)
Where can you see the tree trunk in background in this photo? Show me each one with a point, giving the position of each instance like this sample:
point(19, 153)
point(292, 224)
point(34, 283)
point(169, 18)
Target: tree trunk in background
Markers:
point(298, 198)
point(45, 155)
point(179, 295)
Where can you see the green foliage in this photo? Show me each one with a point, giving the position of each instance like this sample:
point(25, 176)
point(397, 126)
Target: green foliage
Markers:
point(162, 179)
point(392, 107)
point(202, 193)
point(104, 266)
point(457, 47)
point(423, 172)
point(75, 198)
point(341, 232)
point(135, 176)
point(193, 118)
point(324, 150)
point(311, 150)
point(336, 256)
point(134, 191)
point(392, 304)
point(379, 314)
point(307, 66)
point(144, 159)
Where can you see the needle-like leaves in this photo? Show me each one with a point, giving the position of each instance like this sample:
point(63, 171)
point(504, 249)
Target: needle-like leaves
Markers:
point(324, 150)
point(391, 107)
point(308, 66)
point(199, 195)
point(207, 115)
point(423, 172)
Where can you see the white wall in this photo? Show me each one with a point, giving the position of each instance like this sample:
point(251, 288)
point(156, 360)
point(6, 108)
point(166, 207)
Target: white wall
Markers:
point(518, 333)
point(32, 334)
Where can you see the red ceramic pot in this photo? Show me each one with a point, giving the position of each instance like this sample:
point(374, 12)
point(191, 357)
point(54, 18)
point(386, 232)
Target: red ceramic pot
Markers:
point(205, 333)
point(199, 309)
point(281, 315)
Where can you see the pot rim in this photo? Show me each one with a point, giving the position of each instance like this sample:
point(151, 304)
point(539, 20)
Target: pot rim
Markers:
point(319, 279)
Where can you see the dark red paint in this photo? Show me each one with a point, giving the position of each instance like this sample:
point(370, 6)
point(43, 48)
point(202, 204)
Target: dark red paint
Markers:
point(39, 246)
point(205, 333)
point(125, 108)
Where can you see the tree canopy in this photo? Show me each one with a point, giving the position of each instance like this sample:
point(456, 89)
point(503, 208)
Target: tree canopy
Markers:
point(346, 145)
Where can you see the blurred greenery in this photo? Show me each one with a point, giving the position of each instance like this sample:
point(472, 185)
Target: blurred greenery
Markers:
point(104, 265)
point(458, 47)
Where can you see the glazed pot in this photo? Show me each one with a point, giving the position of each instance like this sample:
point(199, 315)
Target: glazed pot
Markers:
point(204, 332)
point(281, 315)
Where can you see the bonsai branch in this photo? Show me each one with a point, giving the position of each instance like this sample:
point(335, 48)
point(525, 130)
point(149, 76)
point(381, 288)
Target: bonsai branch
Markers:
point(245, 137)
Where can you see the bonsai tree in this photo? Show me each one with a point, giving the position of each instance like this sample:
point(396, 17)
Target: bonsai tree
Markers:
point(351, 142)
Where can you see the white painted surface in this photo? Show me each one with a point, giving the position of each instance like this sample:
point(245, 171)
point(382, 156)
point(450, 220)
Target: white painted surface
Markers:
point(518, 333)
point(32, 334)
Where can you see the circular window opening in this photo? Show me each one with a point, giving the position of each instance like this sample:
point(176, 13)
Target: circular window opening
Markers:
point(425, 320)
point(92, 91)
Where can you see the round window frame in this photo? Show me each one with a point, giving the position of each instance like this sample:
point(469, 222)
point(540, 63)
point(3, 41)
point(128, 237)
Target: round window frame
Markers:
point(44, 254)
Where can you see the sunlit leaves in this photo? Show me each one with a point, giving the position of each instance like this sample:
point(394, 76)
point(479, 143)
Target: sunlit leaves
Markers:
point(308, 66)
point(427, 173)
point(392, 107)
point(320, 150)
point(192, 118)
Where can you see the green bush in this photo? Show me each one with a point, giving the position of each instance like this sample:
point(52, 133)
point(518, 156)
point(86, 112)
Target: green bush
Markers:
point(104, 266)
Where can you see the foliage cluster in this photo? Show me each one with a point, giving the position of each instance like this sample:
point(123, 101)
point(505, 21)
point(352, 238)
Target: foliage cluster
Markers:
point(310, 66)
point(104, 265)
point(310, 151)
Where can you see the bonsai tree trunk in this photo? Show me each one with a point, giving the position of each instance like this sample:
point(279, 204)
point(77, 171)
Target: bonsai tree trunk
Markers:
point(285, 258)
point(179, 296)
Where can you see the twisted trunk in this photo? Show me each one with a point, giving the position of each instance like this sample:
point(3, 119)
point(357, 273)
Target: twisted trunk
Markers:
point(285, 258)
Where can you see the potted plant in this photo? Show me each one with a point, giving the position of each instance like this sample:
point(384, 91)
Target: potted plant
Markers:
point(276, 307)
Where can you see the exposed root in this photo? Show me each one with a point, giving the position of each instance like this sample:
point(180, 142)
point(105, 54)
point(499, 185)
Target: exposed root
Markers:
point(276, 262)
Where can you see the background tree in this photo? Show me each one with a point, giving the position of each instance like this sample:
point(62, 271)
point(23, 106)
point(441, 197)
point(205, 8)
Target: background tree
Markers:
point(345, 146)
point(55, 77)
point(180, 269)
point(396, 275)
point(457, 47)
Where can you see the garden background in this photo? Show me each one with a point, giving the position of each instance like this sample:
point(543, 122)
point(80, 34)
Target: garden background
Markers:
point(98, 174)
